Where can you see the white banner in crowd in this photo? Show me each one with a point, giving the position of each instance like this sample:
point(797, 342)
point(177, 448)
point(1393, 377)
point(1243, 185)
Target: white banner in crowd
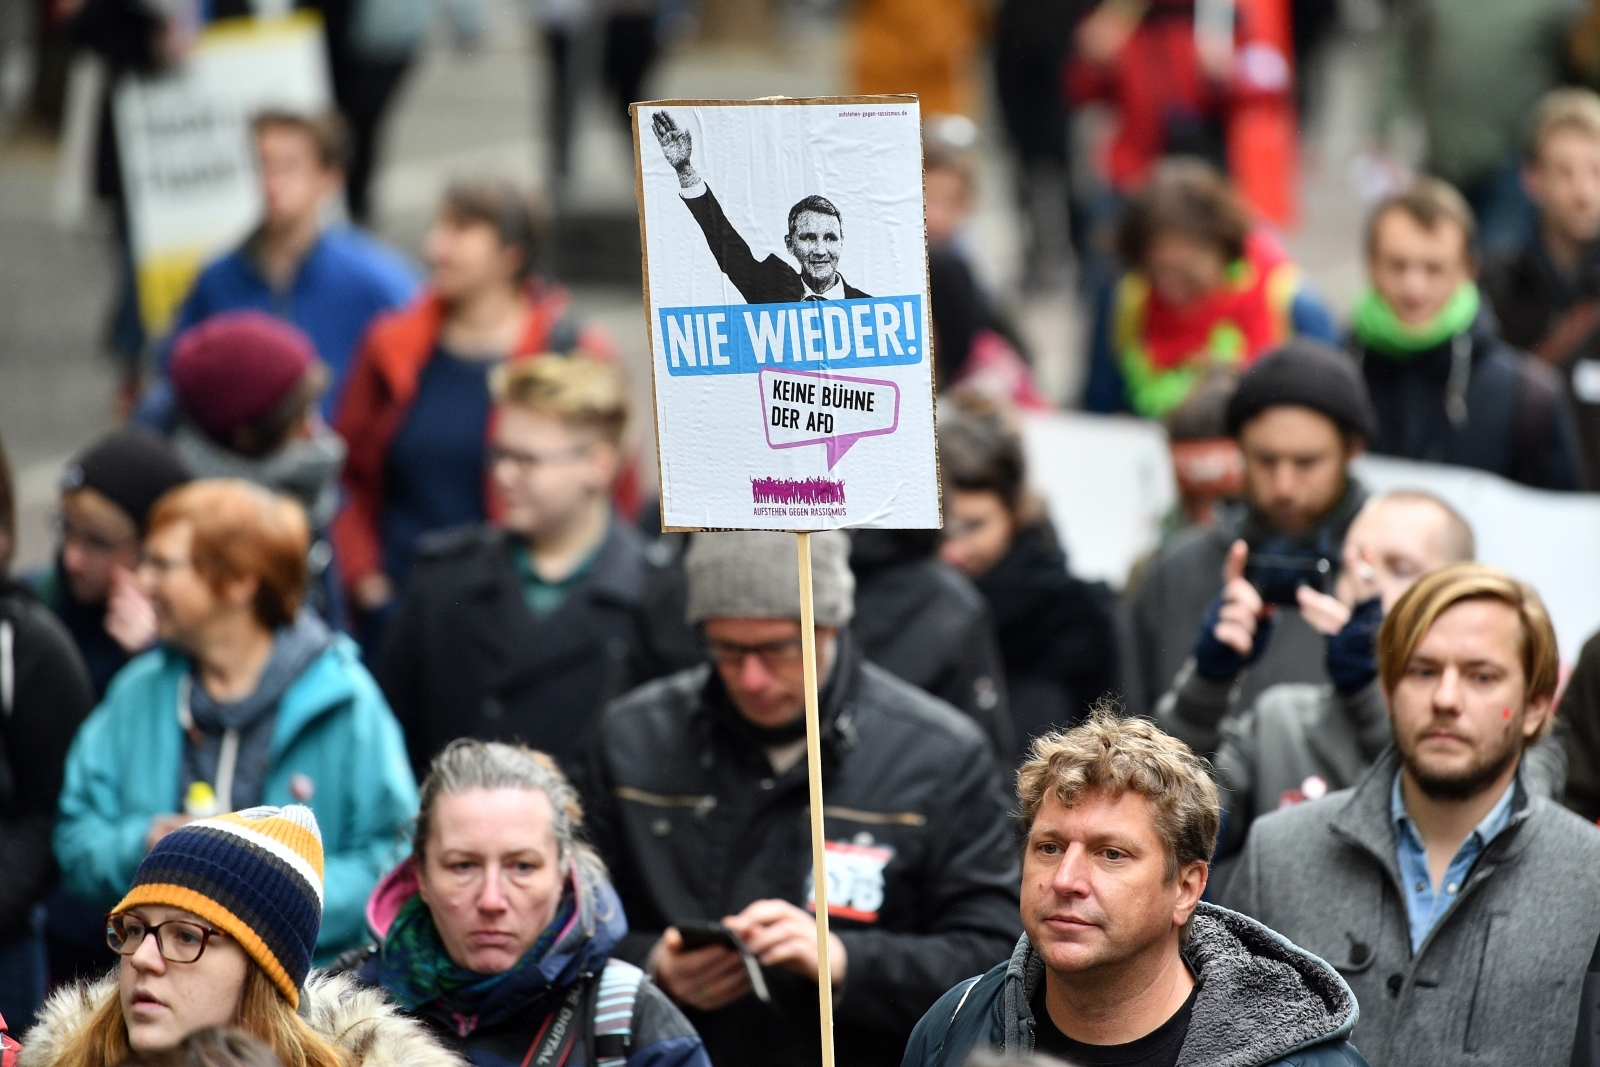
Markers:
point(1108, 483)
point(786, 291)
point(1546, 539)
point(187, 162)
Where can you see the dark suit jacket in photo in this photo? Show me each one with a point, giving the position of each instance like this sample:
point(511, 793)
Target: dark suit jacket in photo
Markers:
point(771, 281)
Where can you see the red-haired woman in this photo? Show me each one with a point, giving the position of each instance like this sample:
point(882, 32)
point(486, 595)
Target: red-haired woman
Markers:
point(248, 700)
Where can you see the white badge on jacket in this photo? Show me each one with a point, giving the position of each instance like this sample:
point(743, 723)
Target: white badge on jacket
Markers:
point(855, 880)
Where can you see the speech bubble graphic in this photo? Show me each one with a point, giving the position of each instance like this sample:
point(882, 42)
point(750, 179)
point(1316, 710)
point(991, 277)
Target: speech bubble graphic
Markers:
point(806, 408)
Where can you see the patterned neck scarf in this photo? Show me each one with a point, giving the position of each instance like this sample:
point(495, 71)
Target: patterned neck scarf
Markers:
point(416, 970)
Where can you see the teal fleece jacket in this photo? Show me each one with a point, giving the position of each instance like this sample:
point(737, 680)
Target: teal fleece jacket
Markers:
point(335, 746)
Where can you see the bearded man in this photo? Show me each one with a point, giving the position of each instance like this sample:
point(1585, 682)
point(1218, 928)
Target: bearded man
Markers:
point(1457, 905)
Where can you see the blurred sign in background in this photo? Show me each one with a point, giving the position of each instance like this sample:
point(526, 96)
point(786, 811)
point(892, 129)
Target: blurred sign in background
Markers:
point(187, 164)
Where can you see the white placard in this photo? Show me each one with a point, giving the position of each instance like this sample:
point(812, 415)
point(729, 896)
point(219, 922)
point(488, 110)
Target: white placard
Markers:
point(1544, 538)
point(188, 167)
point(1107, 480)
point(786, 290)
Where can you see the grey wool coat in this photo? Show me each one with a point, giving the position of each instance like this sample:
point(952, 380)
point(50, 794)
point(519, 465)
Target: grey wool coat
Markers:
point(1264, 754)
point(1497, 981)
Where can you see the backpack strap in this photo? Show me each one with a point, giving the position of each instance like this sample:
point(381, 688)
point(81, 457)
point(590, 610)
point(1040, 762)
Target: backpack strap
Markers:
point(1569, 331)
point(613, 1013)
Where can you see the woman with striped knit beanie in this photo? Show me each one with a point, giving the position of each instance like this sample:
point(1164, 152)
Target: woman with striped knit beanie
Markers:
point(218, 930)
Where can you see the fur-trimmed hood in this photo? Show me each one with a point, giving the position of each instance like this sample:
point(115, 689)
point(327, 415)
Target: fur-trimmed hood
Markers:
point(357, 1018)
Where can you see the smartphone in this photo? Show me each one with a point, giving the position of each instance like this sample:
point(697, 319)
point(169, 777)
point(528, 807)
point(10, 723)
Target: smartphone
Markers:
point(1278, 577)
point(698, 933)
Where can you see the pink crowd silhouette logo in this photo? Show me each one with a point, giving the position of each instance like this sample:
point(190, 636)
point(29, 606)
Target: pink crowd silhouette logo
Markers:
point(797, 490)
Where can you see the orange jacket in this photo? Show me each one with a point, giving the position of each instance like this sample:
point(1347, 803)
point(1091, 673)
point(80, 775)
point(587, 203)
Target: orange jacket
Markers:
point(927, 47)
point(382, 386)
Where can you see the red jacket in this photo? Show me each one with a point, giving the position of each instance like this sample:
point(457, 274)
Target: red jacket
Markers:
point(1156, 84)
point(382, 386)
point(1154, 78)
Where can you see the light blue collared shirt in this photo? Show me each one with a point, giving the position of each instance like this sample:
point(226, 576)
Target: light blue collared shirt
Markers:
point(1423, 904)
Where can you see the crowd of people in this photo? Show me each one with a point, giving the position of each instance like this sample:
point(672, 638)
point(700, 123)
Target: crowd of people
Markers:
point(364, 716)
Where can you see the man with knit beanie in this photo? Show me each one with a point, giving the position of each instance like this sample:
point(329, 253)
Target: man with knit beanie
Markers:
point(1299, 415)
point(1445, 387)
point(697, 800)
point(107, 492)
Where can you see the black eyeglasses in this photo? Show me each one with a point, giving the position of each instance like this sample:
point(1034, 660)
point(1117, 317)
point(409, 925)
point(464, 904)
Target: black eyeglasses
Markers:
point(178, 941)
point(774, 655)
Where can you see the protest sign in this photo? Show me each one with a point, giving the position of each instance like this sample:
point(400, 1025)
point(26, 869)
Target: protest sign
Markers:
point(786, 291)
point(188, 169)
point(788, 396)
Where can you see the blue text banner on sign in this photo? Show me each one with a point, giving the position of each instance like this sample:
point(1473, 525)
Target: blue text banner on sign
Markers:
point(743, 338)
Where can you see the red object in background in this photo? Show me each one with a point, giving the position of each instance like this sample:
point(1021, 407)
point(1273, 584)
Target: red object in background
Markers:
point(9, 1049)
point(1172, 336)
point(1207, 470)
point(1208, 467)
point(1156, 81)
point(1263, 129)
point(1155, 77)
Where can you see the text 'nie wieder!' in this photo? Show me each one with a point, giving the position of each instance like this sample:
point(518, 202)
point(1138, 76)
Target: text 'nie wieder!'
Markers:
point(744, 338)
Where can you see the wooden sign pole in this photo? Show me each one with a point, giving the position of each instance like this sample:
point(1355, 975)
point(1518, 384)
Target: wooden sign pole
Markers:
point(819, 852)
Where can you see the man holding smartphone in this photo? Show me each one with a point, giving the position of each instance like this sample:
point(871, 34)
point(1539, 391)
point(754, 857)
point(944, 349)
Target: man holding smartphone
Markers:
point(697, 800)
point(1300, 415)
point(1297, 741)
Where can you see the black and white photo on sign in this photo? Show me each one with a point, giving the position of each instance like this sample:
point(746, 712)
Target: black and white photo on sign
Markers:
point(785, 258)
point(815, 237)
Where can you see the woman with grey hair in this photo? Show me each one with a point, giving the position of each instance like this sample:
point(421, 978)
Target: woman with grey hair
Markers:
point(497, 932)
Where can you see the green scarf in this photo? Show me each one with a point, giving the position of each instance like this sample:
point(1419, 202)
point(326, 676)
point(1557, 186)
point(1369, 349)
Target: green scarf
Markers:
point(415, 968)
point(1375, 325)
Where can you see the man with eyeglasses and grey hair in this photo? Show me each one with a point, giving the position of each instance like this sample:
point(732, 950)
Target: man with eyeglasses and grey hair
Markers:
point(697, 801)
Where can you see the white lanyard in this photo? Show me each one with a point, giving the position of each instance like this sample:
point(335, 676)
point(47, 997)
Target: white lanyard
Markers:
point(227, 759)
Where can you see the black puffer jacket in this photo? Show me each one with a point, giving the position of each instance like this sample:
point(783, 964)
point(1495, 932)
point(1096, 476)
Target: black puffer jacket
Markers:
point(1057, 634)
point(925, 623)
point(44, 696)
point(693, 824)
point(466, 658)
point(1531, 296)
point(1514, 420)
